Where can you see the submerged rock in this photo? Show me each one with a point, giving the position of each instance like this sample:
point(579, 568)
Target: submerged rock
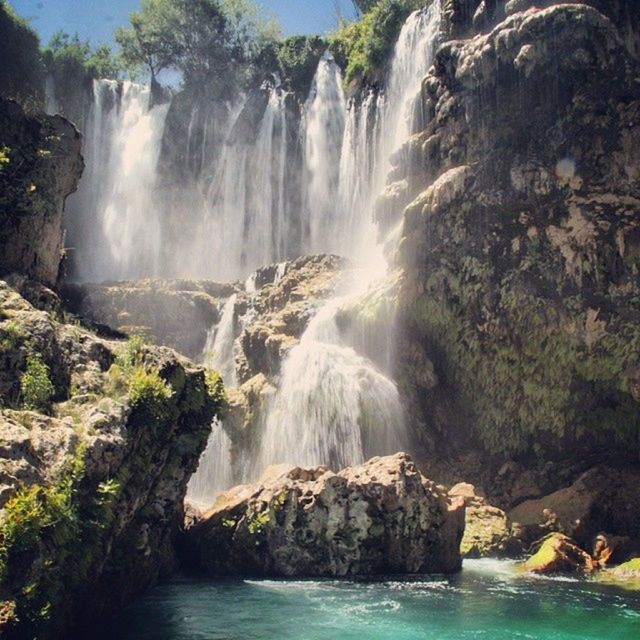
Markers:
point(626, 575)
point(382, 517)
point(559, 554)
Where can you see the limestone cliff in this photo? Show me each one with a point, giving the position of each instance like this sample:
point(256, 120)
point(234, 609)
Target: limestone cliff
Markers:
point(40, 165)
point(520, 242)
point(99, 440)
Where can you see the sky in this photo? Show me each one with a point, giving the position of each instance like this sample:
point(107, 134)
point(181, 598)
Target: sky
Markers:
point(97, 19)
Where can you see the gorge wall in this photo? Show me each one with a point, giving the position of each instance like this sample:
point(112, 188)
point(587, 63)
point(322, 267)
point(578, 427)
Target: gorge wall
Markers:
point(519, 247)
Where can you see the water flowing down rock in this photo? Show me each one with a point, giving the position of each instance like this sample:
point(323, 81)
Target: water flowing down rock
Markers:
point(382, 517)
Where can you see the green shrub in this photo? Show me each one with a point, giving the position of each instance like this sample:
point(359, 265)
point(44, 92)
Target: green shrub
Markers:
point(298, 58)
point(364, 48)
point(36, 388)
point(148, 391)
point(130, 354)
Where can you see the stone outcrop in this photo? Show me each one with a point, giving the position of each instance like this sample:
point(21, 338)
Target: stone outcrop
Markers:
point(99, 439)
point(174, 313)
point(40, 165)
point(559, 554)
point(487, 530)
point(600, 500)
point(520, 243)
point(383, 517)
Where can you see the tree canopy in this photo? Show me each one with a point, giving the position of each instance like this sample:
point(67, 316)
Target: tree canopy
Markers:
point(201, 39)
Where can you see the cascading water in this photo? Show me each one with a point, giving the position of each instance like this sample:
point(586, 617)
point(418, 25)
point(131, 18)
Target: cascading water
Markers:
point(333, 406)
point(239, 208)
point(113, 218)
point(324, 128)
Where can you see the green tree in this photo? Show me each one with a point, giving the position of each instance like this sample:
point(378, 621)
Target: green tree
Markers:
point(202, 39)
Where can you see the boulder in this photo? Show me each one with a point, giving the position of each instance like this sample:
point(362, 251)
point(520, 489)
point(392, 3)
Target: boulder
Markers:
point(382, 517)
point(487, 531)
point(559, 554)
point(601, 499)
point(626, 575)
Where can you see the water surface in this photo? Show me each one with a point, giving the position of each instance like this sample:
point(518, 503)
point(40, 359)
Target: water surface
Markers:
point(487, 600)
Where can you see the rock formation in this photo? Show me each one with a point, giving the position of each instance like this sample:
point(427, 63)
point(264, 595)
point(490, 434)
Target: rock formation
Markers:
point(40, 165)
point(99, 439)
point(173, 313)
point(520, 243)
point(383, 517)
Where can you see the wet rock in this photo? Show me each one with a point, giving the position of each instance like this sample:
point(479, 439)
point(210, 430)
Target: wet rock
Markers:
point(382, 517)
point(174, 313)
point(612, 550)
point(602, 499)
point(559, 554)
point(487, 531)
point(626, 575)
point(522, 214)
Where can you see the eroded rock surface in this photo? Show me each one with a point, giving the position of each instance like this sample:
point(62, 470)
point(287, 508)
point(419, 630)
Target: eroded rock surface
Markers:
point(382, 517)
point(40, 165)
point(98, 441)
point(519, 245)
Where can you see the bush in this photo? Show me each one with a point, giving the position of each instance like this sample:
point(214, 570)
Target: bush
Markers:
point(36, 388)
point(364, 48)
point(298, 59)
point(149, 392)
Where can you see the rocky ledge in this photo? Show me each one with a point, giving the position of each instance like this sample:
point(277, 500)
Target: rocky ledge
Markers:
point(382, 517)
point(99, 439)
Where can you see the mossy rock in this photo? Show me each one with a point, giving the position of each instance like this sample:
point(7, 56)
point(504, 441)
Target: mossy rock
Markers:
point(559, 554)
point(626, 575)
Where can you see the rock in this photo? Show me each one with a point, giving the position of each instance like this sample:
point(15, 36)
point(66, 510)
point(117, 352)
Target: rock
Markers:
point(611, 550)
point(174, 313)
point(43, 167)
point(602, 499)
point(487, 531)
point(520, 235)
point(626, 575)
point(559, 554)
point(107, 461)
point(382, 517)
point(278, 312)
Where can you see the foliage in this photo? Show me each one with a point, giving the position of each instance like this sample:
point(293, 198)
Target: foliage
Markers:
point(130, 354)
point(149, 392)
point(201, 39)
point(36, 388)
point(37, 512)
point(22, 71)
point(363, 48)
point(297, 59)
point(71, 62)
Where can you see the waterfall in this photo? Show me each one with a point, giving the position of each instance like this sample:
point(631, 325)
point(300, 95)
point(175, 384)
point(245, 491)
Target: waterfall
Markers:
point(332, 406)
point(114, 227)
point(324, 128)
point(214, 473)
point(218, 351)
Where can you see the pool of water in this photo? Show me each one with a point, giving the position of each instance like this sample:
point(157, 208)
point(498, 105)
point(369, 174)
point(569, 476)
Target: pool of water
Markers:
point(488, 599)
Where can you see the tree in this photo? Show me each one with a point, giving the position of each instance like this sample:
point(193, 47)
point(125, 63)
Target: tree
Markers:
point(202, 39)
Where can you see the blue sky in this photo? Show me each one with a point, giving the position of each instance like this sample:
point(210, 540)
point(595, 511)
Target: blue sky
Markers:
point(96, 19)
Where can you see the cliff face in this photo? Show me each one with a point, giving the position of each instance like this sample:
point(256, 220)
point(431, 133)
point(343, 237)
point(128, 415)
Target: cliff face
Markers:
point(99, 441)
point(521, 246)
point(40, 165)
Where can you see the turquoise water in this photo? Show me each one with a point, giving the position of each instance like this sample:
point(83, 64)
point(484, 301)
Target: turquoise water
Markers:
point(487, 600)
